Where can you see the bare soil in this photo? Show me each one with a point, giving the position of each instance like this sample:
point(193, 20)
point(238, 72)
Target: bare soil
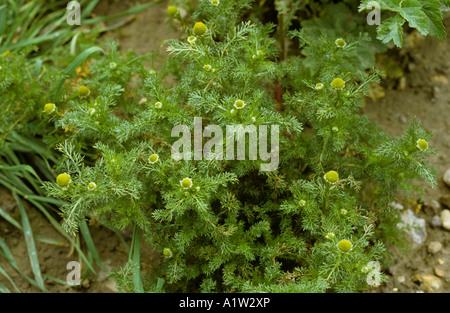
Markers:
point(421, 91)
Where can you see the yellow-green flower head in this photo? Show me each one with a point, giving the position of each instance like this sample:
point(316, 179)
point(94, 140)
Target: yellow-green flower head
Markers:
point(186, 183)
point(207, 67)
point(153, 158)
point(63, 180)
point(192, 39)
point(172, 11)
point(92, 186)
point(49, 108)
point(331, 177)
point(215, 2)
point(302, 203)
point(330, 235)
point(343, 211)
point(91, 111)
point(239, 104)
point(338, 83)
point(199, 29)
point(318, 86)
point(167, 253)
point(345, 245)
point(158, 105)
point(83, 91)
point(112, 65)
point(335, 129)
point(422, 144)
point(340, 43)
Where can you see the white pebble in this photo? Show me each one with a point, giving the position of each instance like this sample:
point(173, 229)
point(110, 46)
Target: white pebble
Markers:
point(434, 247)
point(445, 217)
point(446, 177)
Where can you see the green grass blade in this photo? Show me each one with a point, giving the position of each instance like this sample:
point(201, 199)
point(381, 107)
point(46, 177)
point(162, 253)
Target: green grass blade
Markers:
point(136, 251)
point(51, 241)
point(131, 11)
point(44, 199)
point(56, 280)
point(36, 146)
point(84, 230)
point(72, 66)
point(6, 253)
point(58, 227)
point(4, 289)
point(2, 271)
point(2, 19)
point(29, 240)
point(10, 219)
point(87, 9)
point(18, 168)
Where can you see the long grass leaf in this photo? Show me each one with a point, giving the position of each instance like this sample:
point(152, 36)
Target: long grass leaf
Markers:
point(138, 288)
point(6, 253)
point(51, 241)
point(58, 227)
point(84, 230)
point(2, 271)
point(131, 11)
point(10, 219)
point(4, 289)
point(29, 240)
point(55, 279)
point(72, 66)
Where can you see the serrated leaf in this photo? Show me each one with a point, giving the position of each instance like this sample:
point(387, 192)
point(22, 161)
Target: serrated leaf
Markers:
point(391, 29)
point(411, 11)
point(424, 15)
point(432, 10)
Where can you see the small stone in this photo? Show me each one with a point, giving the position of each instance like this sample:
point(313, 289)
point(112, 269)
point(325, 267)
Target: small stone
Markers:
point(111, 285)
point(440, 261)
point(434, 247)
point(445, 217)
point(396, 205)
point(439, 272)
point(402, 83)
point(446, 177)
point(435, 205)
point(428, 283)
point(401, 279)
point(436, 221)
point(86, 283)
point(415, 227)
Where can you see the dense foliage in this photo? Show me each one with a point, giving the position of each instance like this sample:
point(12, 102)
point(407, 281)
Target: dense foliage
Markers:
point(224, 225)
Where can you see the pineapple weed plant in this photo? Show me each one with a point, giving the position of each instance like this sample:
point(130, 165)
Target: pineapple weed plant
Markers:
point(313, 224)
